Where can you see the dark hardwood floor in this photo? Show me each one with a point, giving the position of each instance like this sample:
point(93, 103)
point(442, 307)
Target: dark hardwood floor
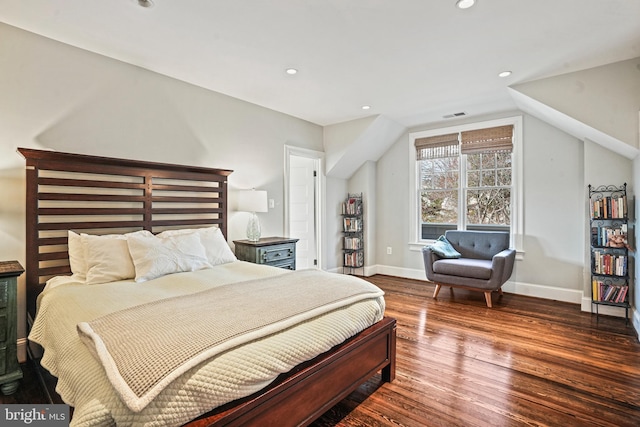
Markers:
point(524, 362)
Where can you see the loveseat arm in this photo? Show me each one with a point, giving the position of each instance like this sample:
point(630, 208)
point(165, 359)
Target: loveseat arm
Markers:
point(502, 263)
point(429, 258)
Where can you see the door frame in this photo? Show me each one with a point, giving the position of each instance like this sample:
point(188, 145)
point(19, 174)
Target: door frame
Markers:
point(319, 217)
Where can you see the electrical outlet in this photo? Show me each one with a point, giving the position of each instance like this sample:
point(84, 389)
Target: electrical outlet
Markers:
point(272, 203)
point(389, 250)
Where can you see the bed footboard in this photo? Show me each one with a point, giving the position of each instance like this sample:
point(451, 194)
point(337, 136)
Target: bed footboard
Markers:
point(314, 387)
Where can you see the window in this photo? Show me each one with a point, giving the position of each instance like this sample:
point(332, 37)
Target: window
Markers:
point(465, 179)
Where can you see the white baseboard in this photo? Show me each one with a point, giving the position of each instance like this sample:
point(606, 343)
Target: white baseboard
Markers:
point(407, 273)
point(544, 292)
point(366, 271)
point(519, 288)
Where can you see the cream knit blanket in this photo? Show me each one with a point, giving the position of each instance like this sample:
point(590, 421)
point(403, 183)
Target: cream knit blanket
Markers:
point(144, 348)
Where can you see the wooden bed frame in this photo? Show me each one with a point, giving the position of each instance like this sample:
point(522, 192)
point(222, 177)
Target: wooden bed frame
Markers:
point(101, 195)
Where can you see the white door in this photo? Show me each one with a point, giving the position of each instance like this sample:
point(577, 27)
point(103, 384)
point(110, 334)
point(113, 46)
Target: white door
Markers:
point(302, 209)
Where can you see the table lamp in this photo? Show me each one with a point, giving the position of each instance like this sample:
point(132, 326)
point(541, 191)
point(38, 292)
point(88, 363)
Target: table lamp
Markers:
point(253, 201)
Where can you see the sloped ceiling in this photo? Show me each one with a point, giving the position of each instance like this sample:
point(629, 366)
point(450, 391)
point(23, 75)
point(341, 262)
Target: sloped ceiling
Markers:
point(601, 104)
point(413, 61)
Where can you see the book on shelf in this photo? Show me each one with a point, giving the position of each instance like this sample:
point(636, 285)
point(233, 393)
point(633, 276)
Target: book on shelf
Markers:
point(609, 264)
point(352, 224)
point(352, 206)
point(609, 207)
point(354, 259)
point(352, 243)
point(608, 235)
point(605, 292)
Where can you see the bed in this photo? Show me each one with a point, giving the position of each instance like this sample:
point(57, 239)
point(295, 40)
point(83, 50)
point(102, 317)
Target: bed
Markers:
point(97, 196)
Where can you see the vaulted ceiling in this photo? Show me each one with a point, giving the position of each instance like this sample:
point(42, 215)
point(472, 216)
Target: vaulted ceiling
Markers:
point(412, 61)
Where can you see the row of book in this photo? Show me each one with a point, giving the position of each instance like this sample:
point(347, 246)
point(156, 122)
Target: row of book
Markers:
point(351, 225)
point(354, 259)
point(609, 293)
point(609, 207)
point(352, 206)
point(352, 243)
point(601, 236)
point(609, 264)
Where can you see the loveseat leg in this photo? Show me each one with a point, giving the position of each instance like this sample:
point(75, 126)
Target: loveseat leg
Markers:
point(487, 296)
point(435, 293)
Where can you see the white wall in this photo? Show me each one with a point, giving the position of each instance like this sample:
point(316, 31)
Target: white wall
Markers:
point(554, 202)
point(336, 191)
point(62, 98)
point(392, 213)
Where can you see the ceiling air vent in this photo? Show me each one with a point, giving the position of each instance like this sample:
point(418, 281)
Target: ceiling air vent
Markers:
point(450, 116)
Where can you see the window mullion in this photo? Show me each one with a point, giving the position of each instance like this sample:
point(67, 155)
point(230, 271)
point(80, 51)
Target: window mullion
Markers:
point(462, 190)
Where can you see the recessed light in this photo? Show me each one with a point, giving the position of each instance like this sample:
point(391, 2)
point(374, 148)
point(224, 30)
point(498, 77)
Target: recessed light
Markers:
point(366, 107)
point(291, 71)
point(145, 3)
point(505, 74)
point(465, 4)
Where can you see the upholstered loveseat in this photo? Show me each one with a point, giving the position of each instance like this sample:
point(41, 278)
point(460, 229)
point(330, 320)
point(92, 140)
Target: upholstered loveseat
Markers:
point(484, 263)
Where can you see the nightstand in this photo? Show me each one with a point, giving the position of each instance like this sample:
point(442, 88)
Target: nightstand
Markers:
point(10, 373)
point(275, 251)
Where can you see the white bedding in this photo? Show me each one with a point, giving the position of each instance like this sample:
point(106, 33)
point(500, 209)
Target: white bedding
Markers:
point(233, 374)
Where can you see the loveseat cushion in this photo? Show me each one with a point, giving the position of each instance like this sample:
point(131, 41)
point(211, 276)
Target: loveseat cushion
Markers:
point(478, 244)
point(464, 267)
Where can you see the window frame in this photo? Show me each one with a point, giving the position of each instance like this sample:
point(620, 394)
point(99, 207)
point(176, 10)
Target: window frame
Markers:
point(517, 209)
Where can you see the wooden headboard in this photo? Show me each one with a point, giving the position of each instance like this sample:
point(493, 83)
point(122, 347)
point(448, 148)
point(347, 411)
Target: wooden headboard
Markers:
point(101, 195)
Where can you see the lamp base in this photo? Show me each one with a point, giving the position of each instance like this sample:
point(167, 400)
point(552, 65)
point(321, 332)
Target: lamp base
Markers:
point(253, 228)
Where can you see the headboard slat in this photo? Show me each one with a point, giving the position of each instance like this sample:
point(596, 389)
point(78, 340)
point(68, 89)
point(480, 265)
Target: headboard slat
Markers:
point(106, 195)
point(53, 256)
point(85, 225)
point(90, 211)
point(66, 182)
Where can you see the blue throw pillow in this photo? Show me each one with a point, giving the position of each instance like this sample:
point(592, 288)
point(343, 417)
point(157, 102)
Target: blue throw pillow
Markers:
point(443, 248)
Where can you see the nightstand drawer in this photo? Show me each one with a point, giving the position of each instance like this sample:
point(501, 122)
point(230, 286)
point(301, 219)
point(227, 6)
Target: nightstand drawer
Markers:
point(287, 265)
point(273, 251)
point(276, 253)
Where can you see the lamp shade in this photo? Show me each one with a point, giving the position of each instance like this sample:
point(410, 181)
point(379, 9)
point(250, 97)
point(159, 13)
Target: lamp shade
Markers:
point(252, 201)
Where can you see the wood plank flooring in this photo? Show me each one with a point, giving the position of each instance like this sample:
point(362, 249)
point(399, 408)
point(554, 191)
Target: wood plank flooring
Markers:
point(524, 362)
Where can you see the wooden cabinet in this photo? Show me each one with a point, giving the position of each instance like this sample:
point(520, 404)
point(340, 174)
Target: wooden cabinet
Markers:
point(10, 373)
point(274, 251)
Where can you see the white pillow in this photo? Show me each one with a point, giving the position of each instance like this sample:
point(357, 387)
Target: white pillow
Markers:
point(216, 247)
point(154, 256)
point(107, 257)
point(77, 262)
